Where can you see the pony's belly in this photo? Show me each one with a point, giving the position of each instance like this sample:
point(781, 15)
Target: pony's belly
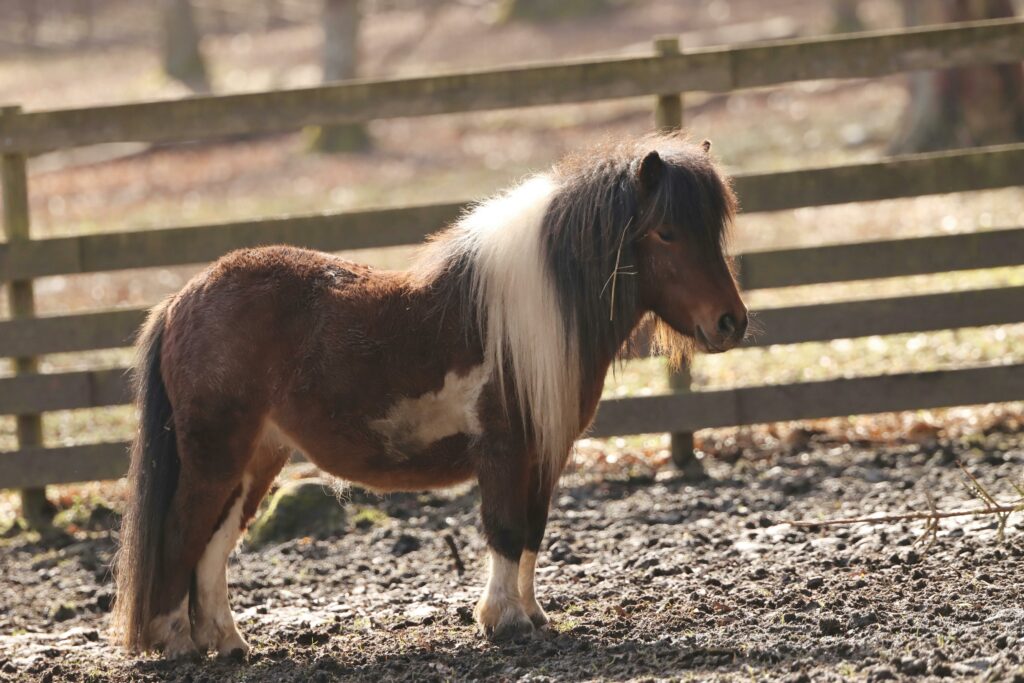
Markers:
point(387, 471)
point(374, 464)
point(416, 441)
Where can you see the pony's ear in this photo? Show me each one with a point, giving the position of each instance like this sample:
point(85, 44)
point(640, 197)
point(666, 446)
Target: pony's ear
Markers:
point(707, 146)
point(651, 168)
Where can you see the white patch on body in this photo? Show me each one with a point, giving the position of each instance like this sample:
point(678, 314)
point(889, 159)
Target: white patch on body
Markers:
point(214, 625)
point(527, 596)
point(520, 316)
point(499, 611)
point(413, 424)
point(170, 632)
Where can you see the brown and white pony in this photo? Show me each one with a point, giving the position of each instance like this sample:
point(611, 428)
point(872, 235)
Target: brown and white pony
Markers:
point(486, 360)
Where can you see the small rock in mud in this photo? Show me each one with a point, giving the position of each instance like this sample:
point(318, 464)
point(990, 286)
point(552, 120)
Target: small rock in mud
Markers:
point(405, 544)
point(912, 666)
point(863, 619)
point(561, 552)
point(63, 612)
point(830, 626)
point(882, 673)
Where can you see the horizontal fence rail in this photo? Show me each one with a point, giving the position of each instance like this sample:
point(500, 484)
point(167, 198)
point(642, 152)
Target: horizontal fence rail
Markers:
point(906, 176)
point(819, 322)
point(649, 414)
point(70, 333)
point(882, 259)
point(867, 55)
point(809, 400)
point(895, 315)
point(759, 269)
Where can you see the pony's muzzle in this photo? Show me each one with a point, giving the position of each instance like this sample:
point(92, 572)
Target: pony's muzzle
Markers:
point(729, 331)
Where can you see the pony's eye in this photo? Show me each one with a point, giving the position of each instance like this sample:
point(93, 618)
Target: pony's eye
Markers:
point(665, 235)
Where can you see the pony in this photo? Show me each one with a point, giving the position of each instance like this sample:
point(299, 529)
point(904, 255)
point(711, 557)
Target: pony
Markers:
point(483, 361)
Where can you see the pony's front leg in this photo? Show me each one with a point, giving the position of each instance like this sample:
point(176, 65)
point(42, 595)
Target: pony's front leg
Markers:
point(538, 504)
point(503, 477)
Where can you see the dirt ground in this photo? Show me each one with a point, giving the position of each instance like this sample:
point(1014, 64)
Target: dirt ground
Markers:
point(644, 575)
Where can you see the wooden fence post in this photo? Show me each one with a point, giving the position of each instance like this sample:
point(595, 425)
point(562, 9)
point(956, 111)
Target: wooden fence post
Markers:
point(35, 508)
point(668, 116)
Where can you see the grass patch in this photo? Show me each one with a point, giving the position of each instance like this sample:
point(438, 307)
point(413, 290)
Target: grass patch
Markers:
point(366, 517)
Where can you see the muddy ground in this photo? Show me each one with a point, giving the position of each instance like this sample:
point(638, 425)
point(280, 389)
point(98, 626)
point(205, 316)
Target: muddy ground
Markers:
point(644, 576)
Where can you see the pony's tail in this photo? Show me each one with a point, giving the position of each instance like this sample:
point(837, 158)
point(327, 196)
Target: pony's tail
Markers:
point(152, 479)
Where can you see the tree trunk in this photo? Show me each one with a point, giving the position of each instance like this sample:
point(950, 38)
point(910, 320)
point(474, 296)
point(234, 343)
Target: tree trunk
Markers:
point(548, 10)
point(847, 16)
point(341, 20)
point(87, 12)
point(963, 107)
point(182, 58)
point(30, 11)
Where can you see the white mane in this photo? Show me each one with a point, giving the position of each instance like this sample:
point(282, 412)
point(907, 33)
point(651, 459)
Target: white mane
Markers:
point(519, 314)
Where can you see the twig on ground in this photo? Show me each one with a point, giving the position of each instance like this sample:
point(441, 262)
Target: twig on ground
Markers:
point(980, 492)
point(449, 540)
point(1002, 511)
point(912, 516)
point(931, 529)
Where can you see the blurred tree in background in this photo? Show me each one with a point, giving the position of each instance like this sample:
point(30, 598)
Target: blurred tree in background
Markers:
point(341, 19)
point(545, 10)
point(981, 105)
point(182, 57)
point(847, 16)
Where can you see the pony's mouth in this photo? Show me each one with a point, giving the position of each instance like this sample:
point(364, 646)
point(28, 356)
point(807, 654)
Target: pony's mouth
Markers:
point(705, 343)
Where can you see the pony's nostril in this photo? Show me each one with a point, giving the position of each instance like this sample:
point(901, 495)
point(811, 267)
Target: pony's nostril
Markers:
point(727, 325)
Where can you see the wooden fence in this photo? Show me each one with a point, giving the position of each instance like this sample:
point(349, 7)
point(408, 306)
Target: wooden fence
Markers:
point(24, 336)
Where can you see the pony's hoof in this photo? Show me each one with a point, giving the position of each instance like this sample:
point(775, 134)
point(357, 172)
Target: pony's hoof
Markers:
point(503, 622)
point(181, 648)
point(221, 637)
point(239, 654)
point(538, 616)
point(535, 611)
point(233, 647)
point(511, 630)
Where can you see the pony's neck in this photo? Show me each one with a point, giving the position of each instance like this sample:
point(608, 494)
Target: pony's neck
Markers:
point(593, 378)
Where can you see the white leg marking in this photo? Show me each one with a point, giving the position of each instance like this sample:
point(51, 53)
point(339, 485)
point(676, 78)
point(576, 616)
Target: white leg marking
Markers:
point(215, 626)
point(499, 612)
point(527, 571)
point(170, 632)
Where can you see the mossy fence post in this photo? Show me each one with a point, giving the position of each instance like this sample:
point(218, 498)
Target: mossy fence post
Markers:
point(668, 116)
point(35, 508)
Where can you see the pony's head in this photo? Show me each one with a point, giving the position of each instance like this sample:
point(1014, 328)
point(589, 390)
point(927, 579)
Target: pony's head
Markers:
point(638, 230)
point(685, 274)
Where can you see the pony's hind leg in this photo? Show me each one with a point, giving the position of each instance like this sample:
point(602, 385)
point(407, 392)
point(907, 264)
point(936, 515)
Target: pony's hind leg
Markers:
point(213, 623)
point(189, 523)
point(212, 463)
